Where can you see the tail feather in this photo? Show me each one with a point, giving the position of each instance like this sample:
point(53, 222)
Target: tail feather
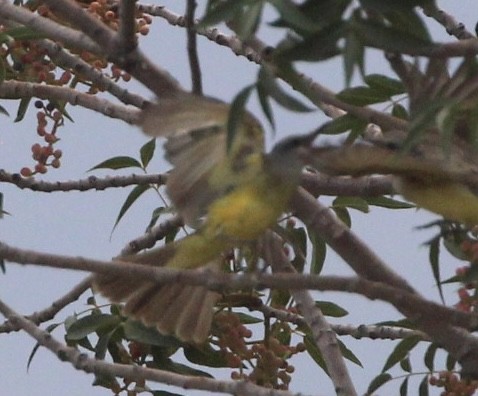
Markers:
point(183, 310)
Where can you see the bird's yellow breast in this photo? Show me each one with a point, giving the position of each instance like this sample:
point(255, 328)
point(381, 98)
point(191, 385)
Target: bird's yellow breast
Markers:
point(454, 201)
point(246, 213)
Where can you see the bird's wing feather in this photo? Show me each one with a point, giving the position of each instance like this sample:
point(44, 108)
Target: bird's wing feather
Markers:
point(196, 131)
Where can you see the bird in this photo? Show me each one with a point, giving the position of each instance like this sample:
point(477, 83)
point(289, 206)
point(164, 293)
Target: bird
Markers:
point(225, 187)
point(433, 162)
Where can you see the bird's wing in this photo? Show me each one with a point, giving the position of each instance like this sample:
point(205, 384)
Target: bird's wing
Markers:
point(195, 128)
point(364, 159)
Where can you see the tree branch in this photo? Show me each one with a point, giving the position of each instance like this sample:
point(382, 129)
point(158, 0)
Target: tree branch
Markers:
point(19, 89)
point(322, 334)
point(82, 362)
point(91, 183)
point(50, 312)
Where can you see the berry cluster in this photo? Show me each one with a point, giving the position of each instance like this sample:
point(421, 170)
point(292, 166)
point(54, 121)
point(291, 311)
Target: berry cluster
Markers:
point(453, 385)
point(267, 358)
point(46, 155)
point(27, 60)
point(467, 294)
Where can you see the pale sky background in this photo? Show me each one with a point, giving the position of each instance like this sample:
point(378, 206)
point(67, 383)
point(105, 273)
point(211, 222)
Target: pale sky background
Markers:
point(80, 223)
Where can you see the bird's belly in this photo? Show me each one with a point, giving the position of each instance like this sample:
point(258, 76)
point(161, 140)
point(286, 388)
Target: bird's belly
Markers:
point(244, 214)
point(451, 200)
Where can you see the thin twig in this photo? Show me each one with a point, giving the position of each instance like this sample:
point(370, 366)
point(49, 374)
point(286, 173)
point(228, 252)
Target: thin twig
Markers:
point(127, 25)
point(91, 183)
point(50, 312)
point(362, 331)
point(192, 48)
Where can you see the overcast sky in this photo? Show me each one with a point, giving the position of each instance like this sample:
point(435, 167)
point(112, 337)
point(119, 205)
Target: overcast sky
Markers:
point(81, 223)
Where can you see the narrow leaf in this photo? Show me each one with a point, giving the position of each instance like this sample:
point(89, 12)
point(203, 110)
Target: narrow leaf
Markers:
point(319, 250)
point(434, 257)
point(429, 357)
point(268, 82)
point(331, 309)
point(424, 386)
point(90, 324)
point(130, 200)
point(236, 113)
point(400, 352)
point(377, 382)
point(22, 109)
point(146, 152)
point(117, 163)
point(389, 203)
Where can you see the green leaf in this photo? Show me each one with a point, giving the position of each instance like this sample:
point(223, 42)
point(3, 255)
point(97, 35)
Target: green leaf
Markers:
point(22, 109)
point(130, 200)
point(236, 113)
point(353, 56)
point(423, 388)
point(377, 382)
point(314, 352)
point(205, 356)
point(434, 258)
point(146, 152)
point(391, 39)
point(4, 111)
point(405, 365)
point(362, 96)
point(389, 86)
point(268, 83)
point(450, 363)
point(400, 111)
point(265, 104)
point(429, 357)
point(348, 354)
point(155, 216)
point(392, 5)
point(246, 22)
point(319, 250)
point(169, 365)
point(331, 309)
point(400, 352)
point(20, 33)
point(136, 331)
point(49, 329)
point(388, 203)
point(119, 162)
point(220, 12)
point(409, 22)
point(342, 124)
point(351, 202)
point(90, 324)
point(293, 16)
point(344, 215)
point(3, 73)
point(316, 47)
point(247, 319)
point(404, 387)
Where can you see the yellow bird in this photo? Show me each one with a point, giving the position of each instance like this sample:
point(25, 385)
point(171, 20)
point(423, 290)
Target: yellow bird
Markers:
point(439, 180)
point(232, 195)
point(436, 166)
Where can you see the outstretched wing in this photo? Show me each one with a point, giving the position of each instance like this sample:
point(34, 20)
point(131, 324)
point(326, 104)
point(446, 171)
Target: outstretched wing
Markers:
point(195, 128)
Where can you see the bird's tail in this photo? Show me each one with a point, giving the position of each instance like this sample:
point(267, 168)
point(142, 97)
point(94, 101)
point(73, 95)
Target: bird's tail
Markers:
point(182, 310)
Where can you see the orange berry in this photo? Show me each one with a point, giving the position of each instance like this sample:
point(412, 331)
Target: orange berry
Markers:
point(40, 168)
point(144, 30)
point(26, 172)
